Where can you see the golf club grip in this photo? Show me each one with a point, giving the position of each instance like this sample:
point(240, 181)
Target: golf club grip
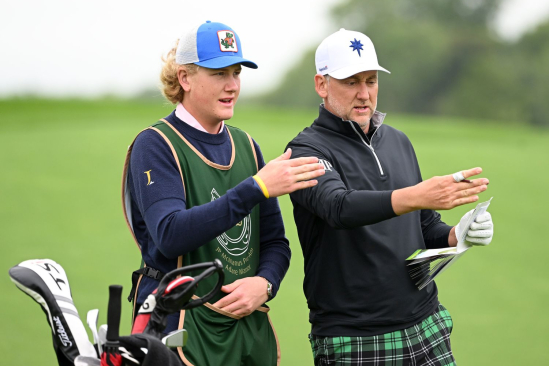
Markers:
point(113, 312)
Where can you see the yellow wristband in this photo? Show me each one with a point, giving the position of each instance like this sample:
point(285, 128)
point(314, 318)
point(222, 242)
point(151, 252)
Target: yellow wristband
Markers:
point(262, 185)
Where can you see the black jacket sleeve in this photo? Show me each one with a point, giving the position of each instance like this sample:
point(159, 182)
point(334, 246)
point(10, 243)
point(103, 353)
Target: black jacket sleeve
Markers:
point(333, 202)
point(435, 232)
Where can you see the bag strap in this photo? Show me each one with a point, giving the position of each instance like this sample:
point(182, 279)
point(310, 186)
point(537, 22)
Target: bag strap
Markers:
point(145, 271)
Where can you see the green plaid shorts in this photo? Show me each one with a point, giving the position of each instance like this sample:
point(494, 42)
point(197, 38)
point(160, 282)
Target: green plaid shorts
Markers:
point(426, 343)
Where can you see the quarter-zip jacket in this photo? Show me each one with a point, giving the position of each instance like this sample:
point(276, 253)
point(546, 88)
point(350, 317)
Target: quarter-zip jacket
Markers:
point(354, 245)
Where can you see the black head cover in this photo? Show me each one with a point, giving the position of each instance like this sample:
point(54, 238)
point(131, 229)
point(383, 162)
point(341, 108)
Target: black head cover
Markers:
point(157, 352)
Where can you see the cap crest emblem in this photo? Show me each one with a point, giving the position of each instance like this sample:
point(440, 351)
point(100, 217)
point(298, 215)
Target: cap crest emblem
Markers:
point(357, 46)
point(227, 41)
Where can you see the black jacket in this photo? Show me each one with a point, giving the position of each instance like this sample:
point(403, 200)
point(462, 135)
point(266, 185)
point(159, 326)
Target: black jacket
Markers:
point(354, 245)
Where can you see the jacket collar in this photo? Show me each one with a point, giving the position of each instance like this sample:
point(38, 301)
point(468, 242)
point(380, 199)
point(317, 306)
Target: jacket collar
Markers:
point(330, 121)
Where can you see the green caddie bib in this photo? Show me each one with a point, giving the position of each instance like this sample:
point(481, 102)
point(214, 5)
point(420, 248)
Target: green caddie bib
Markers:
point(215, 336)
point(205, 181)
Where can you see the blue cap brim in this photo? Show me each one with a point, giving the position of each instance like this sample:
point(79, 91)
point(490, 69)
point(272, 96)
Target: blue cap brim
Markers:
point(225, 61)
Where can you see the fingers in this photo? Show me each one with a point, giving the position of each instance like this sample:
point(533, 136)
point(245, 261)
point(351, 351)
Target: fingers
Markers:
point(481, 226)
point(242, 312)
point(237, 308)
point(309, 175)
point(442, 192)
point(225, 301)
point(231, 286)
point(302, 161)
point(228, 289)
point(479, 233)
point(234, 303)
point(307, 172)
point(472, 191)
point(307, 168)
point(464, 201)
point(484, 217)
point(471, 172)
point(474, 183)
point(229, 303)
point(479, 241)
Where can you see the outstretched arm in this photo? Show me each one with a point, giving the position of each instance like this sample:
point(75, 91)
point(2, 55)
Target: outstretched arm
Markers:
point(163, 204)
point(346, 208)
point(439, 193)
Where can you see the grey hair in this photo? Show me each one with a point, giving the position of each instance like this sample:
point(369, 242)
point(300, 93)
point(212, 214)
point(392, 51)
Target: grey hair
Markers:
point(327, 78)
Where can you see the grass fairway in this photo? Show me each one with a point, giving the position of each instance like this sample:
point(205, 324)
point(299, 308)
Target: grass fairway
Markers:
point(60, 199)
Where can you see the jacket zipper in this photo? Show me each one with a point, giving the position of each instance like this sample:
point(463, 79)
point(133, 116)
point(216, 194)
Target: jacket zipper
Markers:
point(369, 146)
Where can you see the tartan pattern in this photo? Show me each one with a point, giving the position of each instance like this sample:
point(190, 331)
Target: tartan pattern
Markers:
point(424, 344)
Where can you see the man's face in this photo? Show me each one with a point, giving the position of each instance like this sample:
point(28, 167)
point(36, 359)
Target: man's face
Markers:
point(213, 93)
point(353, 98)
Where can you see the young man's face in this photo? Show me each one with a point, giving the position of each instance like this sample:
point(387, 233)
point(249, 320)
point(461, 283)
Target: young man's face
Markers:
point(353, 98)
point(213, 93)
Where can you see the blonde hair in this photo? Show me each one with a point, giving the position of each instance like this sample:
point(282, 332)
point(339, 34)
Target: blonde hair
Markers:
point(172, 90)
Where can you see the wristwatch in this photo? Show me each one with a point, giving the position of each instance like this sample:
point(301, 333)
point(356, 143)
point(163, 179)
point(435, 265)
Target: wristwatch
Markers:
point(269, 289)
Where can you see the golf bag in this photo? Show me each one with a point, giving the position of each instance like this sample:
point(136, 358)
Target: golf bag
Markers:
point(46, 282)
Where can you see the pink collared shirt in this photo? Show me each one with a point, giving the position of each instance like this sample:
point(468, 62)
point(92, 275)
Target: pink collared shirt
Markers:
point(185, 116)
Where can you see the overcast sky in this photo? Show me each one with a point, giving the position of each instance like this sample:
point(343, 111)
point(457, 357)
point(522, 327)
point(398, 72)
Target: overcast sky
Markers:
point(88, 48)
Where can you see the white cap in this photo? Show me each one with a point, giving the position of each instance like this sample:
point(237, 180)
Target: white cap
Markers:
point(346, 53)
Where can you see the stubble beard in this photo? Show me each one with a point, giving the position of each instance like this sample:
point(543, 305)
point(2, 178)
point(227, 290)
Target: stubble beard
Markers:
point(339, 111)
point(365, 125)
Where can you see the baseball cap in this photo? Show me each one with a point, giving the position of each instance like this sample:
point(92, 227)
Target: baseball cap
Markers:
point(346, 53)
point(212, 45)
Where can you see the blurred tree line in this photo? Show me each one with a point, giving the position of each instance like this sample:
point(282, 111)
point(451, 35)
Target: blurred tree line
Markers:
point(444, 58)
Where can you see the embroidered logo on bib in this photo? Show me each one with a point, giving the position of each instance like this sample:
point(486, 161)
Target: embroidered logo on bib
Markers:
point(239, 240)
point(149, 181)
point(227, 41)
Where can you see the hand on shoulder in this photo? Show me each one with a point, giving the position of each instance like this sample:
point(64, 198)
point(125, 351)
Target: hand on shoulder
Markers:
point(284, 175)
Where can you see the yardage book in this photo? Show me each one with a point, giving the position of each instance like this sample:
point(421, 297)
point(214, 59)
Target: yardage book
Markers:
point(424, 265)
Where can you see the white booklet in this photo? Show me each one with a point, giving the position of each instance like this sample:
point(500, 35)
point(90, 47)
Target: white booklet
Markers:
point(426, 264)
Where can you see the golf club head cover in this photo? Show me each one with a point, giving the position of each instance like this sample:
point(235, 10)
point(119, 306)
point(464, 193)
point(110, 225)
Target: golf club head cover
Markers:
point(144, 315)
point(152, 317)
point(46, 282)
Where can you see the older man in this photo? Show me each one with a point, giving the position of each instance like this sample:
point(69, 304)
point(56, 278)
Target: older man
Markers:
point(366, 215)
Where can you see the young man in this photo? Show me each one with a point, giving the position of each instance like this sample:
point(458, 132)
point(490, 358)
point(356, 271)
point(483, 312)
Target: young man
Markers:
point(196, 189)
point(366, 215)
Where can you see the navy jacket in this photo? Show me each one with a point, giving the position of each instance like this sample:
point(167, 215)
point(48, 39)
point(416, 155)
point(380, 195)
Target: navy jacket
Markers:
point(166, 228)
point(354, 245)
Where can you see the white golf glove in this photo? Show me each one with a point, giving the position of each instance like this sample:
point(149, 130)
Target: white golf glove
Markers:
point(481, 230)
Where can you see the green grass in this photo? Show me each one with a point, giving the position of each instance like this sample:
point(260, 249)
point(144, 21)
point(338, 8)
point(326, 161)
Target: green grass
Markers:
point(61, 165)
